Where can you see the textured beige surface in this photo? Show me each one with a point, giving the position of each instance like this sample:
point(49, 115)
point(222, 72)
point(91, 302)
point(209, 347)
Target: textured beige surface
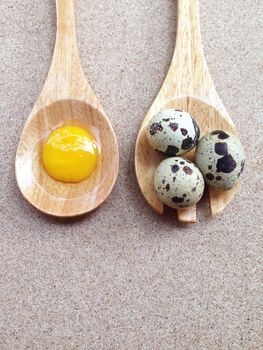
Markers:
point(122, 277)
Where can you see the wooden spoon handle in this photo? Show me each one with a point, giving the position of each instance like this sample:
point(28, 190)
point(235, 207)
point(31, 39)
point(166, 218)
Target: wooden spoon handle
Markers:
point(66, 50)
point(65, 75)
point(66, 79)
point(188, 25)
point(188, 67)
point(66, 18)
point(66, 40)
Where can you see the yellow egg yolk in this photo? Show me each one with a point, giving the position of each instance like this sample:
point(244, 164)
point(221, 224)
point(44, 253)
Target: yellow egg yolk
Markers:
point(70, 154)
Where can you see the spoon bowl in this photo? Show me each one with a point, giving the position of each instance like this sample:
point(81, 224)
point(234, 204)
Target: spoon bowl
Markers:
point(148, 159)
point(188, 86)
point(66, 99)
point(59, 198)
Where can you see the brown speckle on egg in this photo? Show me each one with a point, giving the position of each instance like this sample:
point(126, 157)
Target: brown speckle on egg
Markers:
point(187, 170)
point(226, 164)
point(221, 148)
point(175, 168)
point(177, 199)
point(222, 135)
point(209, 176)
point(155, 127)
point(187, 143)
point(172, 150)
point(173, 126)
point(184, 131)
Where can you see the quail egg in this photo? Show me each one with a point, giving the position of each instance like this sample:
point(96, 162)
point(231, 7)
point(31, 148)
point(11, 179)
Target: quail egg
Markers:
point(221, 159)
point(178, 183)
point(173, 132)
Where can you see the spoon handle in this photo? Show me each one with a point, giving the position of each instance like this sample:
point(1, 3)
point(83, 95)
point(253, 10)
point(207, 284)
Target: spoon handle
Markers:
point(66, 15)
point(66, 25)
point(188, 72)
point(66, 50)
point(188, 67)
point(188, 25)
point(66, 79)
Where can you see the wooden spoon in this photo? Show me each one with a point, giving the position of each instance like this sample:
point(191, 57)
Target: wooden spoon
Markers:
point(188, 86)
point(66, 99)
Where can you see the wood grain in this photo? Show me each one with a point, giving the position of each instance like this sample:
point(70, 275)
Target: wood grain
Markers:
point(66, 99)
point(188, 86)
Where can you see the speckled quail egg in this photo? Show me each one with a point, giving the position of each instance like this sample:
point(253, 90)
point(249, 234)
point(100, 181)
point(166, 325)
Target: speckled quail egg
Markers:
point(221, 159)
point(173, 132)
point(178, 183)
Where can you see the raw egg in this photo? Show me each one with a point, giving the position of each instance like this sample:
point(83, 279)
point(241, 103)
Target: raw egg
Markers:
point(70, 154)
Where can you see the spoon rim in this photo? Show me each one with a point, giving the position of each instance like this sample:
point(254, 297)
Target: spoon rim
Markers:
point(141, 134)
point(60, 212)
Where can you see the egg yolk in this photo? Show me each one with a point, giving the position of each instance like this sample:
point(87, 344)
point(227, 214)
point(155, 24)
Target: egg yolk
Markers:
point(70, 154)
